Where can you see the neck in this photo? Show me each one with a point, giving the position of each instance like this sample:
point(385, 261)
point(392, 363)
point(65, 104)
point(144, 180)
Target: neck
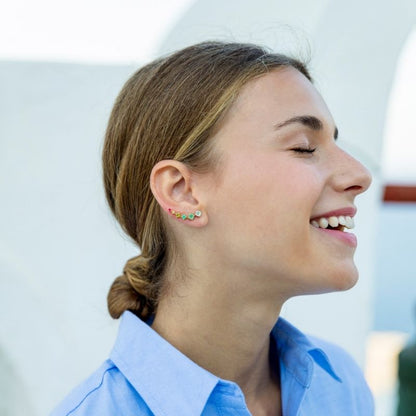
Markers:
point(225, 332)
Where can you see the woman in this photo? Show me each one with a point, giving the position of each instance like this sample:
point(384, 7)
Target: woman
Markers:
point(221, 163)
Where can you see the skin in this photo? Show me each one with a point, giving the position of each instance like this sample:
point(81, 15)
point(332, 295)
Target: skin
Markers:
point(254, 247)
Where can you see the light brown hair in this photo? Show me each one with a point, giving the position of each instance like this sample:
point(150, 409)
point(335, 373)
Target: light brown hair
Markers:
point(168, 110)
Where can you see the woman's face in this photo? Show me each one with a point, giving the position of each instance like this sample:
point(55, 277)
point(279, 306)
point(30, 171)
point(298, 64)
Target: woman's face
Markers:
point(270, 186)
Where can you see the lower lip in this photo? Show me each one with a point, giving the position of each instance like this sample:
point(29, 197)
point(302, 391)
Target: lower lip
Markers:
point(347, 238)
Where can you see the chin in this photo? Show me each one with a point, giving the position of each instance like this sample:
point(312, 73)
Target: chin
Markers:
point(344, 279)
point(336, 280)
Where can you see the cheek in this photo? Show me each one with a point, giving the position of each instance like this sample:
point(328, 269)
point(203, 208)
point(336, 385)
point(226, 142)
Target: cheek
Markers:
point(267, 198)
point(251, 190)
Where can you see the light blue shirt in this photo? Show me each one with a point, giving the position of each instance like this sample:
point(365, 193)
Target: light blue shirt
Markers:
point(145, 375)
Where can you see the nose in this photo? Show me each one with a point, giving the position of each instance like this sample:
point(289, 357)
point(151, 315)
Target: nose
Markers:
point(350, 175)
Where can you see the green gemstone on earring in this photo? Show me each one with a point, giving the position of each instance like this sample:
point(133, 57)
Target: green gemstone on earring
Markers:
point(198, 213)
point(183, 216)
point(191, 216)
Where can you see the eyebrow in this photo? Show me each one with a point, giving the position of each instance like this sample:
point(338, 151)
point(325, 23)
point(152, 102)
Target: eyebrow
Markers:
point(309, 121)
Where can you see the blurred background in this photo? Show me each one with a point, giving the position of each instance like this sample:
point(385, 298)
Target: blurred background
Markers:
point(61, 67)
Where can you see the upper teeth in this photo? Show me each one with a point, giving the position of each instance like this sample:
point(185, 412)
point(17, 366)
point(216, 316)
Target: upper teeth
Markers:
point(334, 222)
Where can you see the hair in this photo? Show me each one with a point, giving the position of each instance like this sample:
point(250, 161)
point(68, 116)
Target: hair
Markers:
point(168, 109)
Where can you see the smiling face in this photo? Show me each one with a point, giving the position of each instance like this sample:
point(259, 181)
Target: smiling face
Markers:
point(277, 177)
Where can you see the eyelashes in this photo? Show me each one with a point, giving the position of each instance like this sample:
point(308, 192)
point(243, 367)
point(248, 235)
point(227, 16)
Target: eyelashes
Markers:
point(308, 150)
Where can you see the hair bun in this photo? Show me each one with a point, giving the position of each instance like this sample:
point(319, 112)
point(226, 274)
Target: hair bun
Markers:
point(132, 290)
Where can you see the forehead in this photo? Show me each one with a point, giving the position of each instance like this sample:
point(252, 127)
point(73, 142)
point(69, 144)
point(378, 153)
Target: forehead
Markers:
point(280, 94)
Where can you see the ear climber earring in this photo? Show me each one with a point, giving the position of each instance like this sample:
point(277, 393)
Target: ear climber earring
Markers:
point(184, 217)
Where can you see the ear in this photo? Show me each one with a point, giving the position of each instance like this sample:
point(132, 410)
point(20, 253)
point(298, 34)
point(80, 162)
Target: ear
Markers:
point(173, 187)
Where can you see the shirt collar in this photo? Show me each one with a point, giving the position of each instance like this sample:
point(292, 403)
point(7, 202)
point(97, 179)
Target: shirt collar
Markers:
point(299, 353)
point(168, 381)
point(171, 383)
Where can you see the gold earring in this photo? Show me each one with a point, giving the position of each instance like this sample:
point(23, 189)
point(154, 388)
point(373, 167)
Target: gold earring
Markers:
point(184, 217)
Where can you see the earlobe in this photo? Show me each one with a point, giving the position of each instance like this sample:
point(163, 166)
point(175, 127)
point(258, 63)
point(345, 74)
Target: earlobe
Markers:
point(172, 186)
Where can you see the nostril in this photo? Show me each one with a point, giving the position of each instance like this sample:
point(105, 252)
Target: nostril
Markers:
point(354, 188)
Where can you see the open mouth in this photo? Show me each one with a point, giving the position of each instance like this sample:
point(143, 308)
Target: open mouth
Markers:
point(340, 223)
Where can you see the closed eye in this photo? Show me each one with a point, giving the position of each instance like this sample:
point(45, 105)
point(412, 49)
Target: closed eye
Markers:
point(304, 149)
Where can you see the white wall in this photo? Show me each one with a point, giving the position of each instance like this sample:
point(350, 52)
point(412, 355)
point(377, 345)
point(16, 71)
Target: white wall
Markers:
point(59, 247)
point(92, 31)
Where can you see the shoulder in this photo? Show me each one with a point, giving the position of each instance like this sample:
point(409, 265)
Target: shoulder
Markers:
point(343, 363)
point(105, 392)
point(352, 383)
point(332, 379)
